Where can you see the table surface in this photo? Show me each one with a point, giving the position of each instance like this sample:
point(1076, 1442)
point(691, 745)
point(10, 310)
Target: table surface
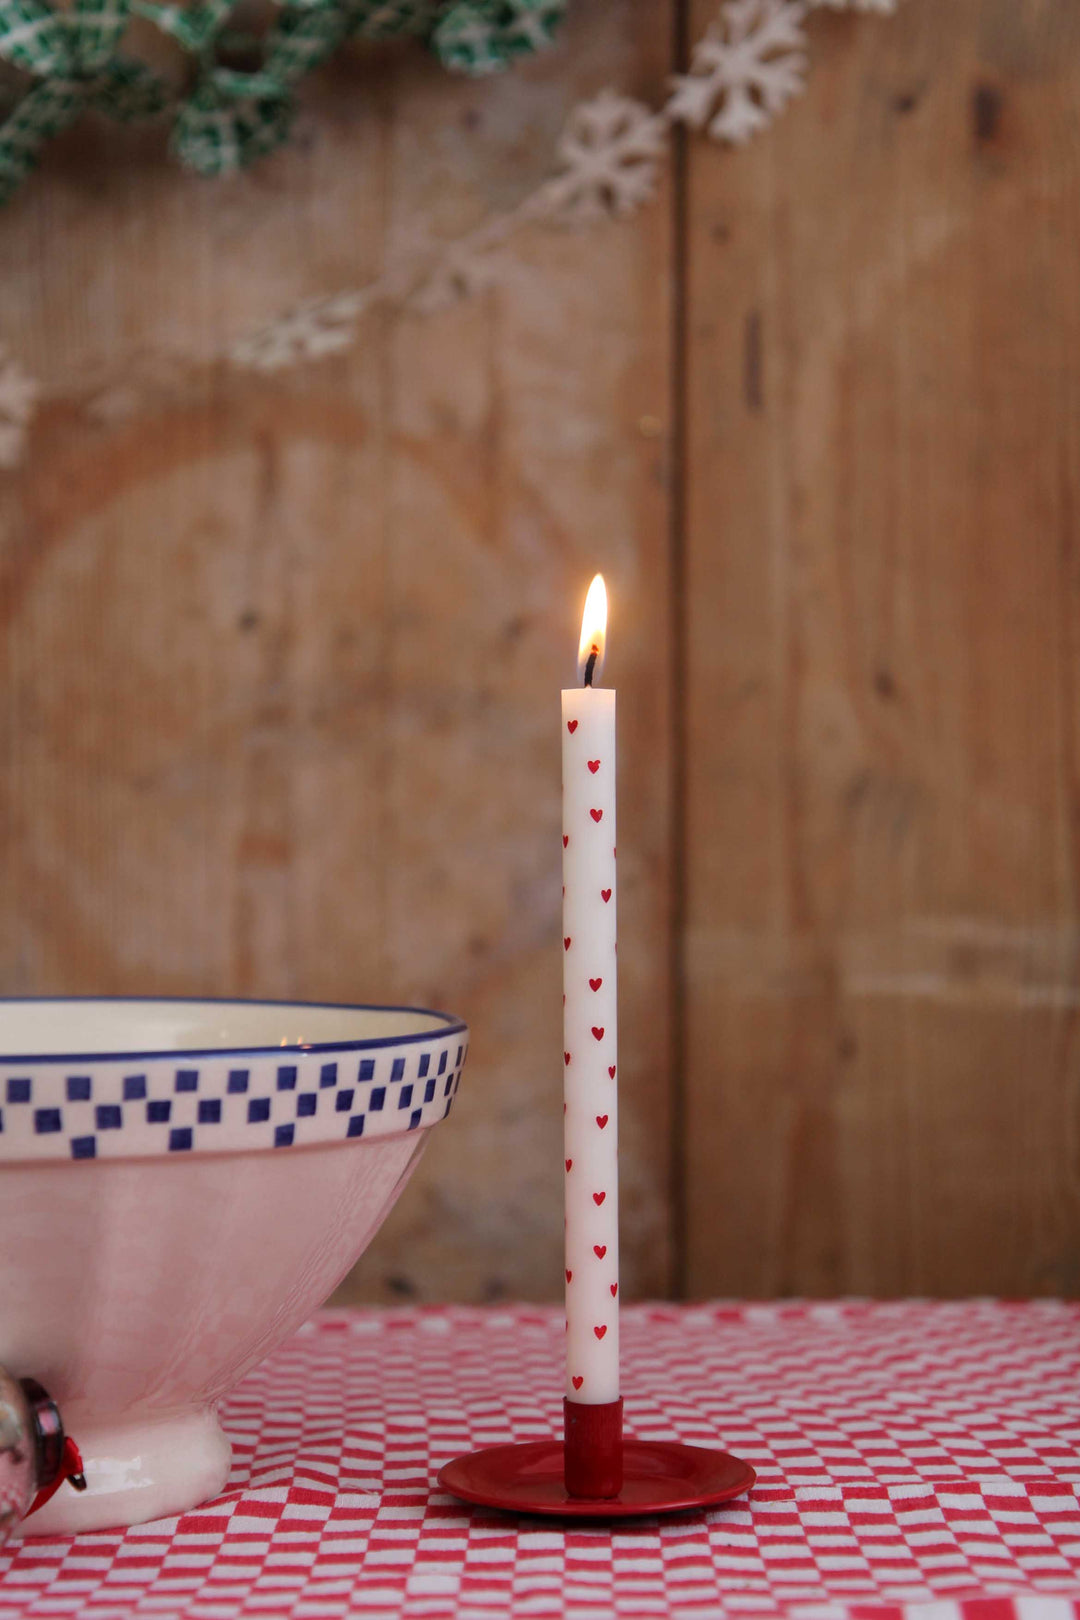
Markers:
point(908, 1454)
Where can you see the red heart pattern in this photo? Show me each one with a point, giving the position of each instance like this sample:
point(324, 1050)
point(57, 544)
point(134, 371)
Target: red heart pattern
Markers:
point(577, 1382)
point(600, 1250)
point(568, 1163)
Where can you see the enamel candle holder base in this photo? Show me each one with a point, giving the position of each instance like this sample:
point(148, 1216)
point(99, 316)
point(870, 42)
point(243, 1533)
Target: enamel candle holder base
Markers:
point(181, 1184)
point(658, 1477)
point(594, 1473)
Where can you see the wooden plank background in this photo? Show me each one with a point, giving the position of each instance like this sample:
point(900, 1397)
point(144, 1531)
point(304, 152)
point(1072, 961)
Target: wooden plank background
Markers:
point(883, 444)
point(280, 656)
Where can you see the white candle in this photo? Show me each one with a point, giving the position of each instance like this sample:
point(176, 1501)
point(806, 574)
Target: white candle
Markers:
point(590, 1035)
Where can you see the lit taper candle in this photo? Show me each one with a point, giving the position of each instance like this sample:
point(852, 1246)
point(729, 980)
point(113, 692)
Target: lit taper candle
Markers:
point(590, 1058)
point(591, 1475)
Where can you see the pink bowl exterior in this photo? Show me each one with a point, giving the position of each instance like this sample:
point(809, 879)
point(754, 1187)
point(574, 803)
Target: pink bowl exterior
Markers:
point(140, 1291)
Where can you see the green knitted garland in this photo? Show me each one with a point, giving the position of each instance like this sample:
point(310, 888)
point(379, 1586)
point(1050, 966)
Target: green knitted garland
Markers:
point(227, 117)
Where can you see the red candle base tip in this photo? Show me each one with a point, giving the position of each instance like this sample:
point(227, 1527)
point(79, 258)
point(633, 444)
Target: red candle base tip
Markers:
point(593, 1449)
point(659, 1476)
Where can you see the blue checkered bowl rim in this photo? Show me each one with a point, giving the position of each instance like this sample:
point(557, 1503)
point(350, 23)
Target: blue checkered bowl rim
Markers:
point(246, 1096)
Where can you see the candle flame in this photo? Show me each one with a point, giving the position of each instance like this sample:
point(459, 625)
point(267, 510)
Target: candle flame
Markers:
point(593, 633)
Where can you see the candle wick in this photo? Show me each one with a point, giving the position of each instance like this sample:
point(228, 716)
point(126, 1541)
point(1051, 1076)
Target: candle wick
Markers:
point(590, 668)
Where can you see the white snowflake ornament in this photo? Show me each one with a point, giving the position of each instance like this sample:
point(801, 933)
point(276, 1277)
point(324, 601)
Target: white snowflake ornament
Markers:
point(463, 269)
point(610, 154)
point(745, 70)
point(312, 332)
point(18, 402)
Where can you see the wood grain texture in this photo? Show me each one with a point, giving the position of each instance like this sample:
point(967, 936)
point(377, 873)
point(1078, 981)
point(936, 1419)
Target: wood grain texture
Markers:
point(281, 657)
point(883, 409)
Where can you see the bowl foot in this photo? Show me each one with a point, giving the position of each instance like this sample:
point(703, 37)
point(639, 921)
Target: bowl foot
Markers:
point(137, 1470)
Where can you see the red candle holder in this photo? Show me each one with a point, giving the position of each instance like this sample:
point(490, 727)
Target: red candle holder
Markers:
point(594, 1473)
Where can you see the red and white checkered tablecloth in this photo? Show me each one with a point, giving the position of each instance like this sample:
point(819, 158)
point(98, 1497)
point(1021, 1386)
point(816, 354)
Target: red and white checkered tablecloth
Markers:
point(914, 1460)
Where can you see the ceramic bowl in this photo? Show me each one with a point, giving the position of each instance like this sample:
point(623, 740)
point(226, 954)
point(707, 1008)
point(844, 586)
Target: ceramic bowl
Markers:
point(181, 1184)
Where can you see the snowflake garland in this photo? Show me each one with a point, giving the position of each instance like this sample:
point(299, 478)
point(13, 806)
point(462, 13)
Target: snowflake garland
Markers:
point(751, 62)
